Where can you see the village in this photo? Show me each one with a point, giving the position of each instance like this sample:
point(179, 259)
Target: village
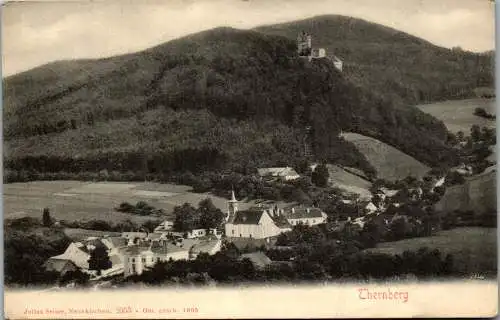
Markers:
point(250, 230)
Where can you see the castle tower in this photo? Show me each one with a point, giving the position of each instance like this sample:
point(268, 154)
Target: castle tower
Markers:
point(304, 44)
point(232, 207)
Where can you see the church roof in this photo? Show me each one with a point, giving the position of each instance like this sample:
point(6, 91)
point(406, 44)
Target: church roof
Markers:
point(248, 217)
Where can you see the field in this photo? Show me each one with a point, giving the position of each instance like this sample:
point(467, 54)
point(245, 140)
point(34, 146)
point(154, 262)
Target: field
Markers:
point(474, 248)
point(390, 163)
point(75, 200)
point(349, 182)
point(458, 115)
point(478, 193)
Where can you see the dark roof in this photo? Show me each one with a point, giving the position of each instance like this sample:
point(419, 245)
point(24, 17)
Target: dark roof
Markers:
point(248, 217)
point(281, 221)
point(58, 264)
point(166, 248)
point(302, 213)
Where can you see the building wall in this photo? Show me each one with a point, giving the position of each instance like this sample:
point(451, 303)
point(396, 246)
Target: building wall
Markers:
point(136, 264)
point(307, 221)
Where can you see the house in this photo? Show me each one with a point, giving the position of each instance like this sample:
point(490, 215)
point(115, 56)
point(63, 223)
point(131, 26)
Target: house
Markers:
point(337, 63)
point(258, 259)
point(78, 253)
point(60, 265)
point(140, 257)
point(306, 216)
point(279, 173)
point(465, 170)
point(164, 226)
point(370, 208)
point(318, 53)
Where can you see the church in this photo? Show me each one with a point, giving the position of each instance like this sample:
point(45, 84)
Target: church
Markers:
point(255, 223)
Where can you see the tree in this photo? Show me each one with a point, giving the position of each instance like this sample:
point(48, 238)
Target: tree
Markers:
point(475, 133)
point(47, 220)
point(186, 218)
point(320, 176)
point(210, 215)
point(99, 259)
point(150, 225)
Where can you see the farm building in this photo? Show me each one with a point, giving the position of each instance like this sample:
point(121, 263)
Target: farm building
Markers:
point(306, 216)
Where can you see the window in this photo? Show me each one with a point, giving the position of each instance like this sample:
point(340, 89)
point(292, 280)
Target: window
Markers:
point(314, 221)
point(158, 259)
point(133, 260)
point(143, 259)
point(250, 235)
point(233, 231)
point(240, 235)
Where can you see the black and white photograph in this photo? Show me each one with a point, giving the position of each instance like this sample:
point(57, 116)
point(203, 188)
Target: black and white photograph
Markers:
point(248, 144)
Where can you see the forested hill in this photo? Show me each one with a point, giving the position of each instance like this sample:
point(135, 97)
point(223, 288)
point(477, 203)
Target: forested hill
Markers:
point(219, 99)
point(394, 64)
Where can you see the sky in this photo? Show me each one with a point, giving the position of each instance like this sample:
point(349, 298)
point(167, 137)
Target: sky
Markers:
point(35, 33)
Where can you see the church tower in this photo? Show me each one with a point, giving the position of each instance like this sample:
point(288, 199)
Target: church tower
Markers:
point(232, 207)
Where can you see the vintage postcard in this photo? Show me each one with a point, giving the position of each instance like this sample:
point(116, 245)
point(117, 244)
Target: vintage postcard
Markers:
point(249, 159)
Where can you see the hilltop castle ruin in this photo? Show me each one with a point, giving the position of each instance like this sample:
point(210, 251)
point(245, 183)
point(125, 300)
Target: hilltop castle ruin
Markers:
point(305, 49)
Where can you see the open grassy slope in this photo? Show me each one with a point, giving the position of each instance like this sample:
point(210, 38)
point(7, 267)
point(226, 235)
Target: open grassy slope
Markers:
point(474, 249)
point(390, 163)
point(348, 182)
point(478, 194)
point(74, 200)
point(458, 115)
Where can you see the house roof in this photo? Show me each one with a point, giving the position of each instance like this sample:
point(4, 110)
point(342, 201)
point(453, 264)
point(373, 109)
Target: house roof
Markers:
point(135, 250)
point(259, 259)
point(115, 259)
point(134, 234)
point(277, 171)
point(281, 222)
point(166, 248)
point(114, 242)
point(248, 217)
point(303, 213)
point(54, 264)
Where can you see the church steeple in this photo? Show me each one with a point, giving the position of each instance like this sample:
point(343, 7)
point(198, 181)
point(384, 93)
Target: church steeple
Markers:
point(232, 207)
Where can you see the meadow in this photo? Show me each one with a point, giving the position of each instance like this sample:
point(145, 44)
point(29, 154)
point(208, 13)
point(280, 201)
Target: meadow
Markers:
point(83, 201)
point(349, 182)
point(458, 115)
point(390, 163)
point(474, 248)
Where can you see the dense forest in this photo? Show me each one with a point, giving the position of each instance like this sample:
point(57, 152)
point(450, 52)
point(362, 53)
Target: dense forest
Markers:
point(222, 100)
